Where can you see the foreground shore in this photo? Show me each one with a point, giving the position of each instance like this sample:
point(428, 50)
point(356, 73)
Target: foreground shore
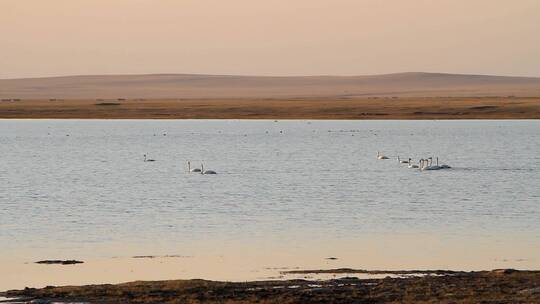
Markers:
point(498, 286)
point(319, 108)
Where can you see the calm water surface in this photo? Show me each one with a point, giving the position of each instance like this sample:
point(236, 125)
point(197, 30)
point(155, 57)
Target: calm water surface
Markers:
point(73, 186)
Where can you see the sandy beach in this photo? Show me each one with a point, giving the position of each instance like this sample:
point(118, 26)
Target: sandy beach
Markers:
point(261, 261)
point(299, 108)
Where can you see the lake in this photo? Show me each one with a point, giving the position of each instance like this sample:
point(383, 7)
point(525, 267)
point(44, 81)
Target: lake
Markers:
point(310, 189)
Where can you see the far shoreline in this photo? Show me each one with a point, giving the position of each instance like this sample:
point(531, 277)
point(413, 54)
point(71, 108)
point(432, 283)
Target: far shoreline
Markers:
point(372, 108)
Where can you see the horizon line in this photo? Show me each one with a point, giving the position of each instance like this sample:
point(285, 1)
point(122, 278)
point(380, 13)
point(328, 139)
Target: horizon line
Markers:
point(266, 76)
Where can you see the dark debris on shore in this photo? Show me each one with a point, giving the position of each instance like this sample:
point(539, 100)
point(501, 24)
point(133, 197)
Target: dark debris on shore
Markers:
point(59, 262)
point(498, 286)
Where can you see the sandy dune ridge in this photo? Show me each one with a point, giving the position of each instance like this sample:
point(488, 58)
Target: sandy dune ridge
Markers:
point(225, 86)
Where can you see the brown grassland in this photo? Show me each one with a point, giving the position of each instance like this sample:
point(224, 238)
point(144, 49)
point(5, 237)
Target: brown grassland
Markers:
point(299, 108)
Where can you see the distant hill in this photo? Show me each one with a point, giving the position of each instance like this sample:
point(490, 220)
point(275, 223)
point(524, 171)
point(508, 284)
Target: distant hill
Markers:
point(223, 86)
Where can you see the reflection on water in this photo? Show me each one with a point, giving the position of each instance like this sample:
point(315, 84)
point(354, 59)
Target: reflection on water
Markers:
point(81, 188)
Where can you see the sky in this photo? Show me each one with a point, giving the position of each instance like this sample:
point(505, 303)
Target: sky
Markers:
point(268, 37)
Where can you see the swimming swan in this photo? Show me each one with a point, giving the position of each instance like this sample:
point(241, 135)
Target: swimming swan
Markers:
point(428, 165)
point(411, 166)
point(207, 171)
point(148, 159)
point(442, 166)
point(403, 161)
point(192, 170)
point(379, 156)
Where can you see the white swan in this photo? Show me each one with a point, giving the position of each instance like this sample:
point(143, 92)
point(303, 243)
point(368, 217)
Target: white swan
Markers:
point(442, 166)
point(428, 165)
point(380, 156)
point(403, 161)
point(434, 167)
point(148, 159)
point(192, 170)
point(207, 171)
point(411, 165)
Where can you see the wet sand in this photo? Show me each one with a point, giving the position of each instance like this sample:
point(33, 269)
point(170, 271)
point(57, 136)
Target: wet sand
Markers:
point(262, 260)
point(499, 286)
point(299, 108)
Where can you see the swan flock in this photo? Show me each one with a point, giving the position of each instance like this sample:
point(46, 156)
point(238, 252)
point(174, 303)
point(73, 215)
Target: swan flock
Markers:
point(424, 164)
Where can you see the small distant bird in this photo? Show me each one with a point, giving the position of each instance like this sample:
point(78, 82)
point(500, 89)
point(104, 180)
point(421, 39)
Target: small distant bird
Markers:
point(148, 159)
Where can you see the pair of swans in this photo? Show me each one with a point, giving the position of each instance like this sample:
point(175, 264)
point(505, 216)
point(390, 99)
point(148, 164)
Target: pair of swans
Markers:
point(199, 170)
point(401, 161)
point(409, 163)
point(196, 170)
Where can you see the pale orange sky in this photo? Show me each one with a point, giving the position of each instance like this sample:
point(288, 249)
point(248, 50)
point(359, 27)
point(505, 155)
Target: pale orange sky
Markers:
point(268, 37)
